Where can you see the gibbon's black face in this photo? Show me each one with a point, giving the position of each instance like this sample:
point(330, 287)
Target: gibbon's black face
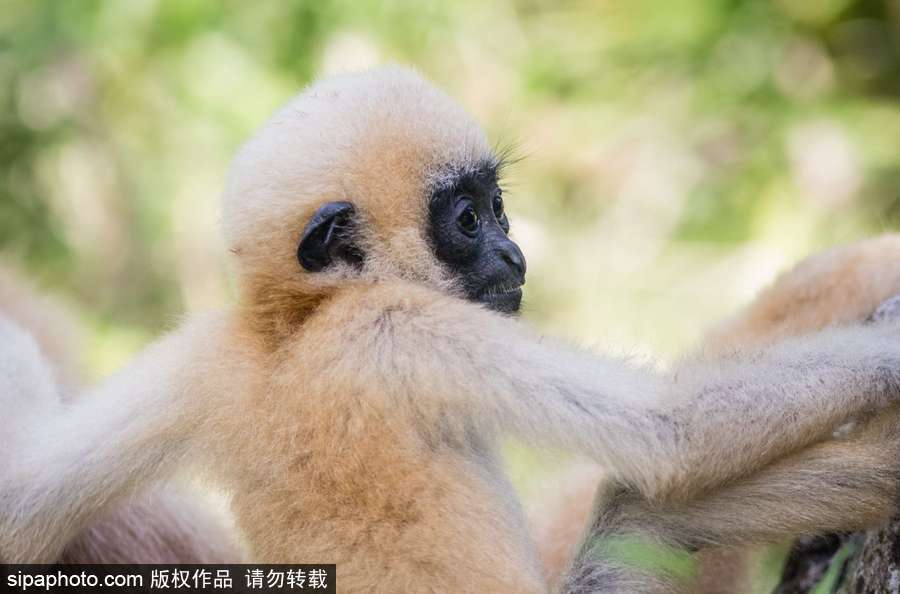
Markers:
point(468, 231)
point(468, 228)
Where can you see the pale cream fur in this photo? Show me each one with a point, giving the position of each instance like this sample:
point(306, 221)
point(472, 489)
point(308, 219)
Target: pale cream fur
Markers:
point(353, 414)
point(40, 363)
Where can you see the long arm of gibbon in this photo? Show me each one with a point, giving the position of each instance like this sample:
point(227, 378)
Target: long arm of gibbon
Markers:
point(129, 431)
point(456, 363)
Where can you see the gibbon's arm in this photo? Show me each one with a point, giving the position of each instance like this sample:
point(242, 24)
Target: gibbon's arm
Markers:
point(127, 432)
point(458, 364)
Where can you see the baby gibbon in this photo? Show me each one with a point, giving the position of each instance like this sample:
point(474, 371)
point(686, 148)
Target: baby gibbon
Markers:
point(352, 399)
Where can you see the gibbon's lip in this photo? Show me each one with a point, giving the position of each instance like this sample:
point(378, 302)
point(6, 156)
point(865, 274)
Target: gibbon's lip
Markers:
point(500, 290)
point(503, 298)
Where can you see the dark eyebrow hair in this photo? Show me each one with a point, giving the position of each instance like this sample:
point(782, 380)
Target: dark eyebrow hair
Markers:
point(452, 176)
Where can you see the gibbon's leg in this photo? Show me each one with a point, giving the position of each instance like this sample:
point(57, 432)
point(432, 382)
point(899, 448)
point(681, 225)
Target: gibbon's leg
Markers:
point(835, 486)
point(432, 355)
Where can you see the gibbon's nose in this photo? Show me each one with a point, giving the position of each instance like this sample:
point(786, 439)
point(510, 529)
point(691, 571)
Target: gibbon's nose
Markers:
point(512, 255)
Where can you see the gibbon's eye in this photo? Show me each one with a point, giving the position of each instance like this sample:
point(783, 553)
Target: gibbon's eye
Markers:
point(497, 205)
point(468, 219)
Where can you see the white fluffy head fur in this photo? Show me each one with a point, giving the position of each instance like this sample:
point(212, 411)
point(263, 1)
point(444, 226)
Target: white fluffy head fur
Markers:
point(381, 139)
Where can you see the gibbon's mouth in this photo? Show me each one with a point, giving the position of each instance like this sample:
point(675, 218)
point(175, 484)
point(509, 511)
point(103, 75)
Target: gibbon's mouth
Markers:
point(502, 298)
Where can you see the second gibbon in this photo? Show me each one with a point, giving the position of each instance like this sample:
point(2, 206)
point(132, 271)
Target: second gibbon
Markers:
point(846, 484)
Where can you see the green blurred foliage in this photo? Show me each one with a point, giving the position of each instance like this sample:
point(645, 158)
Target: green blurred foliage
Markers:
point(646, 557)
point(677, 154)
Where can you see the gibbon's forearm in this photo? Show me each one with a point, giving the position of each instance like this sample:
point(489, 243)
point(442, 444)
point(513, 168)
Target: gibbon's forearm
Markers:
point(729, 417)
point(128, 431)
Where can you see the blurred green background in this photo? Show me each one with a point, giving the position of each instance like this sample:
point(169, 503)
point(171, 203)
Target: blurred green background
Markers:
point(677, 154)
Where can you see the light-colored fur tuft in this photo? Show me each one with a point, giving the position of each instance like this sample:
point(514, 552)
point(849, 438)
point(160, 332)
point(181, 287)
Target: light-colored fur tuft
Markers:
point(842, 285)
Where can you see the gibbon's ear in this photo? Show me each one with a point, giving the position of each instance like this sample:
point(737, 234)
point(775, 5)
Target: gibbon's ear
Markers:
point(329, 236)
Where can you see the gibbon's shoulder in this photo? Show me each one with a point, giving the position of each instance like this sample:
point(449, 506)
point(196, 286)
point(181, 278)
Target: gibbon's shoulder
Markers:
point(393, 319)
